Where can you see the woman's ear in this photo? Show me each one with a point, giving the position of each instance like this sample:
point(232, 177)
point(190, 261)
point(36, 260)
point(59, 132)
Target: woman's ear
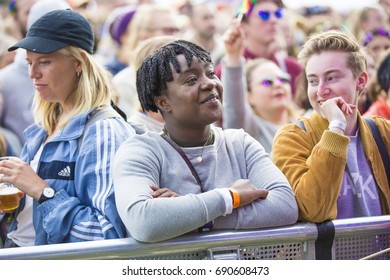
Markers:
point(162, 104)
point(78, 63)
point(78, 66)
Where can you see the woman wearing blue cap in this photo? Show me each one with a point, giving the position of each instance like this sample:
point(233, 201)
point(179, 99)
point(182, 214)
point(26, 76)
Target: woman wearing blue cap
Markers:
point(65, 165)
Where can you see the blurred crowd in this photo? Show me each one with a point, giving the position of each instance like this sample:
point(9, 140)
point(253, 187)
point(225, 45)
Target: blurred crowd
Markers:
point(120, 26)
point(254, 49)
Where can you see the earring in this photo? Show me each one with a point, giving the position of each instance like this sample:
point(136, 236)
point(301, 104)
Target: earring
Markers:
point(78, 74)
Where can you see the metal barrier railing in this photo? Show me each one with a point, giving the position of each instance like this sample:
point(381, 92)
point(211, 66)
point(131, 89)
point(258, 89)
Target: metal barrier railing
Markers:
point(359, 237)
point(353, 239)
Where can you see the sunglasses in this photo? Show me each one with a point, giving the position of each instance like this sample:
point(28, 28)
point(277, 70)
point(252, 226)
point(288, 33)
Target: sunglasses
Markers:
point(378, 32)
point(265, 15)
point(268, 82)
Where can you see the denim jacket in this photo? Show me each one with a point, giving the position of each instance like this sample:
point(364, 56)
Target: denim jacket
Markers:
point(84, 207)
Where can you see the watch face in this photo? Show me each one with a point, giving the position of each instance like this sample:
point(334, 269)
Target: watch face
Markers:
point(48, 192)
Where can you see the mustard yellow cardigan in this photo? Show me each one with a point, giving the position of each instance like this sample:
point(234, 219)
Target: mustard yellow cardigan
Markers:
point(314, 163)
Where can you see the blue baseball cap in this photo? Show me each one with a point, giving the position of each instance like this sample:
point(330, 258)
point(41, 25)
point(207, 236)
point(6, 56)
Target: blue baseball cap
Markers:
point(56, 30)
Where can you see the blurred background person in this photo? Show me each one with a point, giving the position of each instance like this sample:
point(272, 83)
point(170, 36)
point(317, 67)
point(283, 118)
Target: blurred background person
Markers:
point(149, 21)
point(16, 88)
point(106, 35)
point(290, 34)
point(262, 103)
point(20, 10)
point(203, 28)
point(376, 42)
point(119, 31)
point(301, 98)
point(319, 18)
point(261, 26)
point(367, 19)
point(6, 40)
point(381, 104)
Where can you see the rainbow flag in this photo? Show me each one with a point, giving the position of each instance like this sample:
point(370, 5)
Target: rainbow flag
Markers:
point(246, 7)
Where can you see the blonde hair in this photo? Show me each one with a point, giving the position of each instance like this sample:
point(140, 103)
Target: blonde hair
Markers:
point(3, 145)
point(148, 46)
point(333, 40)
point(141, 23)
point(251, 65)
point(92, 90)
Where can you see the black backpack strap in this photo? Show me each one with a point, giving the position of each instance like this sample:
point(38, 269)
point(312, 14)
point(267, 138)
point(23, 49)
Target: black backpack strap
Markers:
point(118, 110)
point(381, 146)
point(324, 242)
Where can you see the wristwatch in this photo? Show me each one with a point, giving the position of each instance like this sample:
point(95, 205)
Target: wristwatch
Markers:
point(47, 193)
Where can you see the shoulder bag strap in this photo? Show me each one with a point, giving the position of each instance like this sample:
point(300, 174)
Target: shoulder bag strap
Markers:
point(184, 156)
point(301, 125)
point(208, 226)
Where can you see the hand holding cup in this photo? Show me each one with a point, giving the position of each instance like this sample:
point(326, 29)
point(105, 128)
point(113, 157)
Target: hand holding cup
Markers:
point(9, 195)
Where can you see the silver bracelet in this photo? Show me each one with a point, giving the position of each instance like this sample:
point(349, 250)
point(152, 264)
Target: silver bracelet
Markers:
point(338, 124)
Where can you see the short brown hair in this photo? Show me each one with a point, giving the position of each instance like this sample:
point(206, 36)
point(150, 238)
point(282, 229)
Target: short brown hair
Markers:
point(334, 40)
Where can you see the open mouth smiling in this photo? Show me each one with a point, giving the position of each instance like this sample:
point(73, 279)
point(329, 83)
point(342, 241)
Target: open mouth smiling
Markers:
point(211, 98)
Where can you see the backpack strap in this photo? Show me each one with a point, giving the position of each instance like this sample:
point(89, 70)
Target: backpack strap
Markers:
point(97, 115)
point(301, 125)
point(381, 146)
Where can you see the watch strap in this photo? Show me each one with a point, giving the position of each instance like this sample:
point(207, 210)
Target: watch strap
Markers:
point(43, 197)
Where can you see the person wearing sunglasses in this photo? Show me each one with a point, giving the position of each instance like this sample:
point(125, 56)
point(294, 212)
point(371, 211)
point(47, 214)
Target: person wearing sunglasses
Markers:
point(261, 28)
point(261, 102)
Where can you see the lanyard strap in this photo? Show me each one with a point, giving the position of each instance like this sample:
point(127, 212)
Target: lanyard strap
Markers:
point(184, 156)
point(208, 226)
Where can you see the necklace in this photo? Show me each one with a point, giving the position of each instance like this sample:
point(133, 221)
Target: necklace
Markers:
point(208, 141)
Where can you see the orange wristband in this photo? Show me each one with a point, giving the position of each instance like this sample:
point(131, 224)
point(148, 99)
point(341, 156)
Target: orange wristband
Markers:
point(236, 198)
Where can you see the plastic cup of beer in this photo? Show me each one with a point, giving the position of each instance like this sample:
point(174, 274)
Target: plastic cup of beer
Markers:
point(10, 197)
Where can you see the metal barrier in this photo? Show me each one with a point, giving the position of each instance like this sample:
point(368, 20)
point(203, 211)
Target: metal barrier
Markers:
point(350, 239)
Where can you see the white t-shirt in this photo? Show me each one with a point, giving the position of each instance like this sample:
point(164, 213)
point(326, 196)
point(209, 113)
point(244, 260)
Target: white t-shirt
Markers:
point(24, 235)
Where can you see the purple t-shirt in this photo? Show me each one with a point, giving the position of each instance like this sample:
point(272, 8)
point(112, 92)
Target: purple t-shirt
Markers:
point(360, 197)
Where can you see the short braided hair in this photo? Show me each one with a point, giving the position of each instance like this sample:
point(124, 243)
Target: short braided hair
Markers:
point(155, 71)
